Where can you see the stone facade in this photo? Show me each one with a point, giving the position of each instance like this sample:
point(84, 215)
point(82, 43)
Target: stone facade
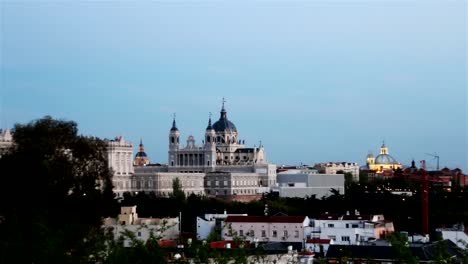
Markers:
point(334, 167)
point(6, 141)
point(266, 228)
point(142, 228)
point(120, 158)
point(221, 166)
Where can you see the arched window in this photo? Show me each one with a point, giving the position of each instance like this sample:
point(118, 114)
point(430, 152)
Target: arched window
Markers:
point(172, 140)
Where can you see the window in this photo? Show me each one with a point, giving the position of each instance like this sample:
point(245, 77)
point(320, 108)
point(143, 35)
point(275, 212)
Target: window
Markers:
point(347, 225)
point(216, 183)
point(208, 183)
point(332, 237)
point(345, 238)
point(331, 225)
point(275, 233)
point(354, 225)
point(241, 232)
point(252, 233)
point(225, 183)
point(139, 234)
point(296, 233)
point(285, 233)
point(263, 233)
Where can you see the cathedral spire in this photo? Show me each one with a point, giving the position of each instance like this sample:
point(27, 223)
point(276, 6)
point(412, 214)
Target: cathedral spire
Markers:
point(174, 126)
point(141, 147)
point(209, 127)
point(223, 111)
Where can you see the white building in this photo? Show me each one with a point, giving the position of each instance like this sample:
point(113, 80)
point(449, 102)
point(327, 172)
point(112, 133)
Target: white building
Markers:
point(210, 222)
point(128, 220)
point(335, 167)
point(349, 229)
point(266, 228)
point(456, 234)
point(304, 182)
point(120, 158)
point(6, 141)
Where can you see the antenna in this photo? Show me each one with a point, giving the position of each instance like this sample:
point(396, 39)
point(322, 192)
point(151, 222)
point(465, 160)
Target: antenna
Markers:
point(435, 157)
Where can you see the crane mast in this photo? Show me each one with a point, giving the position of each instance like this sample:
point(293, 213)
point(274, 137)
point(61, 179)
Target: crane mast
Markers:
point(425, 198)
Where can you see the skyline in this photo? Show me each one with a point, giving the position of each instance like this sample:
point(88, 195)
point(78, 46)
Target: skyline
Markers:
point(315, 82)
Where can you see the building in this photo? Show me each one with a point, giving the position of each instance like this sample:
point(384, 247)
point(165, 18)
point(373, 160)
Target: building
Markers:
point(221, 166)
point(266, 228)
point(142, 228)
point(457, 234)
point(141, 159)
point(222, 151)
point(6, 141)
point(383, 162)
point(210, 223)
point(349, 229)
point(120, 156)
point(304, 182)
point(339, 167)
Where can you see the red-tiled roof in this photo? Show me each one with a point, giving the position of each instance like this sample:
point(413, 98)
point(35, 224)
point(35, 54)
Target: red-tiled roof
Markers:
point(265, 219)
point(318, 241)
point(223, 243)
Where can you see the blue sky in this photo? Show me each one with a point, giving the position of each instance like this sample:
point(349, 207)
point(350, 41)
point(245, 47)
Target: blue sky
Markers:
point(315, 81)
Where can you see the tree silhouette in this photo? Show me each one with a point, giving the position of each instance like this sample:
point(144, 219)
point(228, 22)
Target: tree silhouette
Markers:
point(56, 186)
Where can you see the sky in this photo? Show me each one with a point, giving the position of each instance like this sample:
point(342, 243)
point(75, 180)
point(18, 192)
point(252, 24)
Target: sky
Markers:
point(314, 81)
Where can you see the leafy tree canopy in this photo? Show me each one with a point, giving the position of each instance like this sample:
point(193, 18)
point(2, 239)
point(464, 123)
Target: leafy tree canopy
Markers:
point(56, 187)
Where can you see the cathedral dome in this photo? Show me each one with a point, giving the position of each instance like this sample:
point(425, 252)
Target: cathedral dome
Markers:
point(385, 159)
point(140, 154)
point(141, 159)
point(223, 124)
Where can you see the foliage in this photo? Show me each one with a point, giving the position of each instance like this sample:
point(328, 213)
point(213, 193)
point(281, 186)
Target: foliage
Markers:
point(401, 249)
point(177, 191)
point(137, 251)
point(67, 190)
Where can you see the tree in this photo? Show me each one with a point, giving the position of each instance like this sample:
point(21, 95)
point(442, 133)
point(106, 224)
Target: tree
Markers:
point(177, 191)
point(400, 246)
point(56, 187)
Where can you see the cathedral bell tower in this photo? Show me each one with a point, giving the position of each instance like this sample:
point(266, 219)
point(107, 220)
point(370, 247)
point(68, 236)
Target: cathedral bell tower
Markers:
point(174, 141)
point(210, 145)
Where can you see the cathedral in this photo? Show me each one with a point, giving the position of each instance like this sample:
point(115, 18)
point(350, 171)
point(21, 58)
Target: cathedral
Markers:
point(221, 166)
point(221, 150)
point(383, 161)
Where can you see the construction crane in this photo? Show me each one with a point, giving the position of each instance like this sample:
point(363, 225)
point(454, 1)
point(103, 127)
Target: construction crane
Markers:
point(422, 176)
point(436, 157)
point(425, 198)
